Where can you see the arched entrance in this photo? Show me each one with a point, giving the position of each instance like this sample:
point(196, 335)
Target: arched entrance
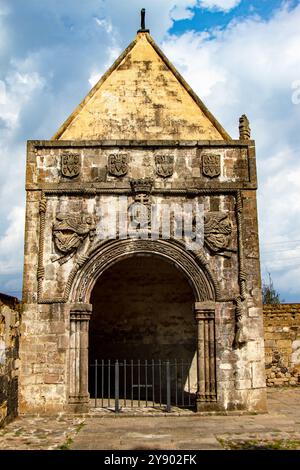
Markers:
point(143, 316)
point(192, 322)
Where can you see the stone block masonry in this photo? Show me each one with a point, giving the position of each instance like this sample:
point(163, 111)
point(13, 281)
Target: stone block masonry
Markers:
point(282, 344)
point(9, 357)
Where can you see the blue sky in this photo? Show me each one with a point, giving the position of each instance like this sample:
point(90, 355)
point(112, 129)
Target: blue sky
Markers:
point(239, 56)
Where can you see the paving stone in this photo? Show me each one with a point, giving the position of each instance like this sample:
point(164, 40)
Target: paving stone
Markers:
point(160, 433)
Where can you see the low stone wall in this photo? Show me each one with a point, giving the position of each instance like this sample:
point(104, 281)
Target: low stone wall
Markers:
point(282, 344)
point(9, 353)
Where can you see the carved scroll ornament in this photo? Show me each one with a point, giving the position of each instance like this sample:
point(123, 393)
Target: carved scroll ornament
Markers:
point(69, 232)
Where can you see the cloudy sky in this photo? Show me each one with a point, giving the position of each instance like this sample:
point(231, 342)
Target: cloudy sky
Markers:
point(240, 56)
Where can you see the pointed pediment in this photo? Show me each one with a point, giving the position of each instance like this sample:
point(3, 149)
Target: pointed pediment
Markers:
point(141, 97)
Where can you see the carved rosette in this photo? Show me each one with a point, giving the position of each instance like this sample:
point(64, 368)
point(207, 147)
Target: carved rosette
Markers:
point(211, 165)
point(118, 164)
point(70, 164)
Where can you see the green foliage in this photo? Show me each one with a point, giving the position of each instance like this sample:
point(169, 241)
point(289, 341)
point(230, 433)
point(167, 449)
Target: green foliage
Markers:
point(269, 293)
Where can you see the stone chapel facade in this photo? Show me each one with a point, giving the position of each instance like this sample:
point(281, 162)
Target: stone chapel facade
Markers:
point(142, 136)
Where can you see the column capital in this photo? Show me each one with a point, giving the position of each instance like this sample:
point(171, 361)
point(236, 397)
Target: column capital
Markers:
point(80, 311)
point(204, 310)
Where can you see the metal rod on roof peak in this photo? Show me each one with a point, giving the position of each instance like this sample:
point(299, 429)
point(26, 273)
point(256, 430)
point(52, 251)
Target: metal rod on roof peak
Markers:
point(143, 22)
point(143, 16)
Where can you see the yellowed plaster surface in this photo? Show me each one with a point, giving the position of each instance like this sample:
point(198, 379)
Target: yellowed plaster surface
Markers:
point(142, 99)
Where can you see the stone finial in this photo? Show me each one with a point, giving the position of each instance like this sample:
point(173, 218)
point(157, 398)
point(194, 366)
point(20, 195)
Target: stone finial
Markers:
point(143, 22)
point(244, 127)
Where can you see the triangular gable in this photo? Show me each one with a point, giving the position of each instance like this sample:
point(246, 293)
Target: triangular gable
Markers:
point(141, 97)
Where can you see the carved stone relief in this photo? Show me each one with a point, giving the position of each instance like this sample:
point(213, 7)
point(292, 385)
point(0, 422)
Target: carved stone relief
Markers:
point(164, 165)
point(69, 232)
point(141, 187)
point(118, 164)
point(70, 164)
point(217, 231)
point(205, 284)
point(211, 165)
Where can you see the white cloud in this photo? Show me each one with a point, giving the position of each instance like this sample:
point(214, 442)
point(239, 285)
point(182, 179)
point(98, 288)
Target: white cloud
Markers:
point(224, 5)
point(11, 244)
point(15, 91)
point(253, 67)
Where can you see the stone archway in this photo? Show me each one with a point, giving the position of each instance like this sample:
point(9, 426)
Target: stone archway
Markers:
point(193, 267)
point(143, 316)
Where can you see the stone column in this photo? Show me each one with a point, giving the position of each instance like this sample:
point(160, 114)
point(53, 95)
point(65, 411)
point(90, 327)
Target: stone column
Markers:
point(78, 366)
point(206, 356)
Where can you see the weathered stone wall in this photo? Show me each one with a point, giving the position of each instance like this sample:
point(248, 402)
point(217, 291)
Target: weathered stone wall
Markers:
point(141, 98)
point(9, 354)
point(52, 327)
point(282, 344)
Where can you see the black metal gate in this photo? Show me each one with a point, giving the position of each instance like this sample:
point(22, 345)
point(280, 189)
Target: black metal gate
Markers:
point(141, 384)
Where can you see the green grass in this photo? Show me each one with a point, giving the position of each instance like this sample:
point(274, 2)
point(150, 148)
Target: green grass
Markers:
point(66, 445)
point(69, 441)
point(260, 444)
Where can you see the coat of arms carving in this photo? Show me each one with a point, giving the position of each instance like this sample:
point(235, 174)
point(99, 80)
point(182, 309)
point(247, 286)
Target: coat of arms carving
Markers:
point(70, 164)
point(118, 164)
point(164, 165)
point(211, 165)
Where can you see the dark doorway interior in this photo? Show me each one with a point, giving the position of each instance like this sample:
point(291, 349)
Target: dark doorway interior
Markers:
point(143, 311)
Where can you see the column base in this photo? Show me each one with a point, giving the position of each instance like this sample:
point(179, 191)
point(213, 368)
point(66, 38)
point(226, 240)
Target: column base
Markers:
point(207, 406)
point(79, 404)
point(77, 408)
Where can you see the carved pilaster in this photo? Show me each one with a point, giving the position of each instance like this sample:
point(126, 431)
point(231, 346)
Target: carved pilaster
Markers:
point(239, 339)
point(41, 269)
point(79, 331)
point(206, 357)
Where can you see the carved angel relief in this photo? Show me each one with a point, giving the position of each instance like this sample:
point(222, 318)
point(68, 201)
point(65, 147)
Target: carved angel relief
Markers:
point(217, 232)
point(69, 232)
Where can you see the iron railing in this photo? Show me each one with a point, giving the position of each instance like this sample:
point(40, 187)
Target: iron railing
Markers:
point(138, 384)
